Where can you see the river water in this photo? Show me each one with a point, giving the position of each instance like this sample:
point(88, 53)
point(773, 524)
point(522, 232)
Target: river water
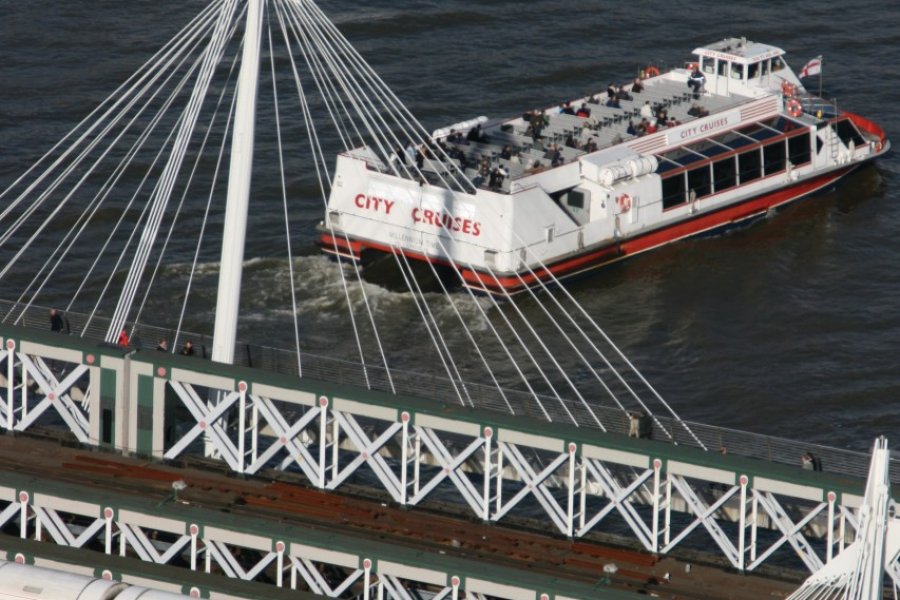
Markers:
point(788, 327)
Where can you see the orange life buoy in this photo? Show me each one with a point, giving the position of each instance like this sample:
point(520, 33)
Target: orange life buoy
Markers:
point(794, 108)
point(624, 202)
point(652, 71)
point(786, 89)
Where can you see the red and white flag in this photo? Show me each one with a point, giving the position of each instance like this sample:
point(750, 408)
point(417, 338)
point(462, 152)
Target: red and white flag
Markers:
point(813, 67)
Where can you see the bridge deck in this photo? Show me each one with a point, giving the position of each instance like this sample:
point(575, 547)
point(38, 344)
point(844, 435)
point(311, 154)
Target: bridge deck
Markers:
point(281, 510)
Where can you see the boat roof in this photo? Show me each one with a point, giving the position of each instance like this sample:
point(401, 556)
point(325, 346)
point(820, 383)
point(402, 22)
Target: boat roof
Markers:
point(739, 50)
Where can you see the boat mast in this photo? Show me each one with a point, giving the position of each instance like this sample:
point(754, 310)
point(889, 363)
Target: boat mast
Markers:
point(239, 175)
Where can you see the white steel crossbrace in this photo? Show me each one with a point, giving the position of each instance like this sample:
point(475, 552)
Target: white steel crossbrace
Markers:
point(533, 483)
point(704, 514)
point(52, 380)
point(450, 468)
point(619, 500)
point(791, 532)
point(368, 454)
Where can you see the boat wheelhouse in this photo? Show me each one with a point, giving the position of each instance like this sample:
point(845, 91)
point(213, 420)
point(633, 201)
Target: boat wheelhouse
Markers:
point(562, 190)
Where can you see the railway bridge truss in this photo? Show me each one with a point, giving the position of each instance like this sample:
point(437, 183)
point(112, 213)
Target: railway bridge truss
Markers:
point(569, 481)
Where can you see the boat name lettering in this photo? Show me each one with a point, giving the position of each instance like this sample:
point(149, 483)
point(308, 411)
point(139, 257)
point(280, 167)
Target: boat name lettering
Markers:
point(374, 203)
point(704, 127)
point(447, 221)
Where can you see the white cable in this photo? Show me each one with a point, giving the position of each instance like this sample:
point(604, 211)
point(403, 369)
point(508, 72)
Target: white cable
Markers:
point(150, 65)
point(474, 343)
point(317, 153)
point(440, 345)
point(163, 190)
point(287, 225)
point(86, 217)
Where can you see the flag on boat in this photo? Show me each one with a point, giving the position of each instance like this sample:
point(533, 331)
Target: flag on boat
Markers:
point(813, 67)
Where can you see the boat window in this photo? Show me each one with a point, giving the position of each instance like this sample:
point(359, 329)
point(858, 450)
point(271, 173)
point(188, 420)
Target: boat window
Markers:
point(764, 67)
point(708, 148)
point(673, 191)
point(708, 65)
point(847, 131)
point(575, 199)
point(753, 71)
point(758, 132)
point(724, 174)
point(733, 140)
point(777, 64)
point(723, 68)
point(749, 166)
point(737, 71)
point(773, 157)
point(699, 180)
point(819, 144)
point(798, 149)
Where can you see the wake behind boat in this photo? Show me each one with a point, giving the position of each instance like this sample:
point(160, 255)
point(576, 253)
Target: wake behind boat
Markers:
point(566, 189)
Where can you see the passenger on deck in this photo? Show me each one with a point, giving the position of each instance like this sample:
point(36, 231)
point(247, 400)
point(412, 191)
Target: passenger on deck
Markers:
point(506, 153)
point(697, 111)
point(410, 154)
point(567, 109)
point(647, 111)
point(612, 90)
point(621, 94)
point(637, 87)
point(485, 167)
point(538, 121)
point(583, 111)
point(420, 156)
point(651, 126)
point(163, 345)
point(571, 142)
point(476, 135)
point(498, 174)
point(188, 348)
point(590, 146)
point(696, 81)
point(613, 102)
point(631, 130)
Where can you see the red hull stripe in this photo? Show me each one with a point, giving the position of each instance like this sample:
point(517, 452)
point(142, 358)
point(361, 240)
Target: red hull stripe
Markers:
point(612, 252)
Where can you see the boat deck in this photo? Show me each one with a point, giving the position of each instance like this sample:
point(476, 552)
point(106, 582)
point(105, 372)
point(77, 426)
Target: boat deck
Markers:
point(606, 126)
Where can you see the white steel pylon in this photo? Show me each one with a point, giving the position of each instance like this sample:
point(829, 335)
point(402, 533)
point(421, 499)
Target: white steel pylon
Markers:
point(857, 573)
point(238, 199)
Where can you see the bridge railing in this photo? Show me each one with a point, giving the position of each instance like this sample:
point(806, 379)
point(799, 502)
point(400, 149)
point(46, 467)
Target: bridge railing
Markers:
point(333, 370)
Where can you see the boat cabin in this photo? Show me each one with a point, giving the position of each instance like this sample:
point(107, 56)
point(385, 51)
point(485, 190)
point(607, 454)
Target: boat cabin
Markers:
point(739, 66)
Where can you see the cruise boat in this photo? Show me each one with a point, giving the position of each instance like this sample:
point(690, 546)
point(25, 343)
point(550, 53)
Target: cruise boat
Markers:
point(556, 192)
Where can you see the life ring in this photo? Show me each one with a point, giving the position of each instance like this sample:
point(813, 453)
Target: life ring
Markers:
point(794, 108)
point(651, 71)
point(786, 89)
point(624, 202)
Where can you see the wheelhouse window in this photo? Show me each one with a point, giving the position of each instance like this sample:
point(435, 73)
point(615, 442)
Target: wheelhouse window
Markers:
point(764, 67)
point(723, 68)
point(737, 71)
point(753, 71)
point(777, 64)
point(774, 157)
point(673, 191)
